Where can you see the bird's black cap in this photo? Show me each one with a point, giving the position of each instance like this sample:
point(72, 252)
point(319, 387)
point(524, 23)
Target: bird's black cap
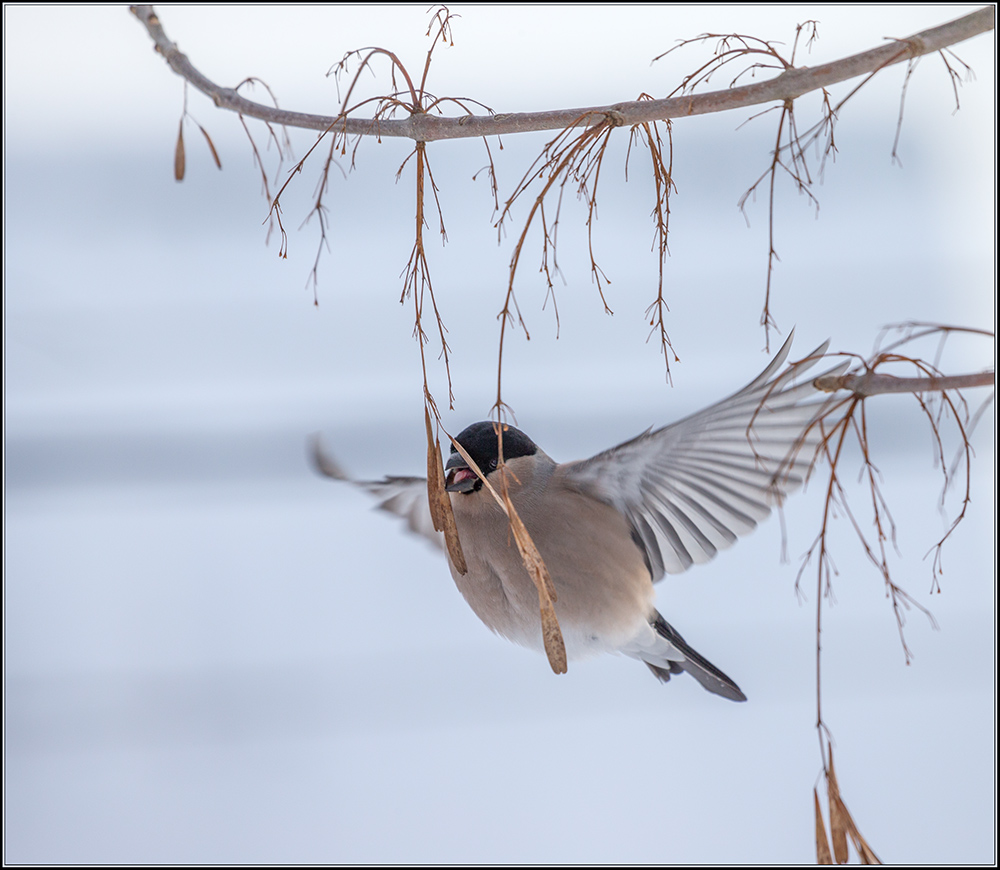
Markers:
point(480, 442)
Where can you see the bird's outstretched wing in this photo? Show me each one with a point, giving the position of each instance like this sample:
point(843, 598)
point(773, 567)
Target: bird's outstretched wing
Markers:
point(690, 489)
point(405, 497)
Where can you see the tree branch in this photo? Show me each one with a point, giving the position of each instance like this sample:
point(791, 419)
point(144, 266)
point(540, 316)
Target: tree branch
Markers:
point(792, 83)
point(874, 384)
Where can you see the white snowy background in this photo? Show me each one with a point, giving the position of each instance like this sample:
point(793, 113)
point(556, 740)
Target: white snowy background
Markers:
point(214, 655)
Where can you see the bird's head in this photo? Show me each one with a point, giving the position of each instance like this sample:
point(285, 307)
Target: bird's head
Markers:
point(480, 441)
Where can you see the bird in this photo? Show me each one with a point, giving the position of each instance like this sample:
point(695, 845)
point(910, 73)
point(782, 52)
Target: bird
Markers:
point(610, 527)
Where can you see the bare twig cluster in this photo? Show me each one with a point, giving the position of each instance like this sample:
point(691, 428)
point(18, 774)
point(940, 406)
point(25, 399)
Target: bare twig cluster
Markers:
point(790, 154)
point(752, 55)
point(845, 421)
point(570, 159)
point(941, 403)
point(662, 166)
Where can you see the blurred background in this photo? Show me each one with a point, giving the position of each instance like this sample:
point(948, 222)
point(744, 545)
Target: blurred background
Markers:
point(214, 655)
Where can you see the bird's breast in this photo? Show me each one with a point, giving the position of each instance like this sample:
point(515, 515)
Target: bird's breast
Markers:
point(603, 587)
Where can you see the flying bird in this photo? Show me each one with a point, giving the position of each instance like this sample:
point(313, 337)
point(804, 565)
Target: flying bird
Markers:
point(611, 526)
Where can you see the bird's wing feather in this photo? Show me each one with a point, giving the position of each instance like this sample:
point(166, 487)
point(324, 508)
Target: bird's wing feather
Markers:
point(690, 489)
point(405, 497)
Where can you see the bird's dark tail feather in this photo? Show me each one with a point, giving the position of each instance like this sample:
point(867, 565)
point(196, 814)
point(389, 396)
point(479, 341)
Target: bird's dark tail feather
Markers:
point(696, 665)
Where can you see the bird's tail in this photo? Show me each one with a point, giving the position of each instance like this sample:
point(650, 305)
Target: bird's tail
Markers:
point(695, 664)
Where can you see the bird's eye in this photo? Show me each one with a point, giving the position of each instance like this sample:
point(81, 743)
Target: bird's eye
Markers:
point(493, 464)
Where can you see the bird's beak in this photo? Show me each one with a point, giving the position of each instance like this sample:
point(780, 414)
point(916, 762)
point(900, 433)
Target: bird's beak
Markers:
point(460, 478)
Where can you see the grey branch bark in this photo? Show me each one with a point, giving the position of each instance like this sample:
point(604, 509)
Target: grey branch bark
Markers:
point(790, 84)
point(874, 384)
